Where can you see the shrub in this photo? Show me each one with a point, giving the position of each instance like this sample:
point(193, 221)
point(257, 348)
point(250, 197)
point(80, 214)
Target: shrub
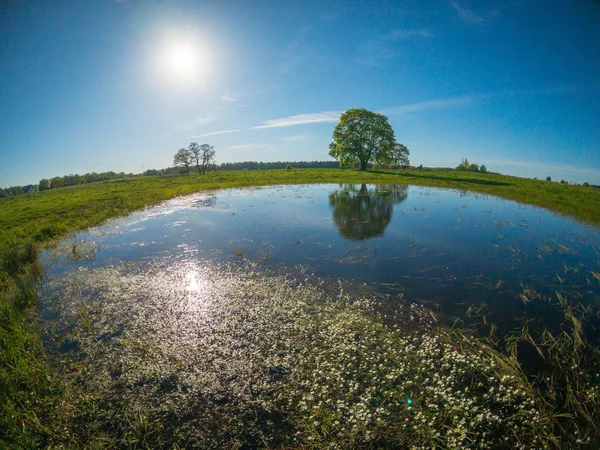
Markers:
point(548, 178)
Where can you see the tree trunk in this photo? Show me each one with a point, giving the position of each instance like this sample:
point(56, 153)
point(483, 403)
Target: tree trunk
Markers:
point(363, 165)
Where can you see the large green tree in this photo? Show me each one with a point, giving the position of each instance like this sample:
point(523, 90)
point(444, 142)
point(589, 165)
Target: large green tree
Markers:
point(362, 137)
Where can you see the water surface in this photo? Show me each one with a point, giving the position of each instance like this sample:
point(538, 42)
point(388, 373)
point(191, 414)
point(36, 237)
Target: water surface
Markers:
point(479, 258)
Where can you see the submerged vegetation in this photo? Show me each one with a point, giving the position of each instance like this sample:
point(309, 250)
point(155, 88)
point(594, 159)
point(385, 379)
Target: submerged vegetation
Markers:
point(318, 367)
point(264, 360)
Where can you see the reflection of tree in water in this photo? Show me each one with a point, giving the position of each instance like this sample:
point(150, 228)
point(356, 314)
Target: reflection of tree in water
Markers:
point(205, 202)
point(364, 213)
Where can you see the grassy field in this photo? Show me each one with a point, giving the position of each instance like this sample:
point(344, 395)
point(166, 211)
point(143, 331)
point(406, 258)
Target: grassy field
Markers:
point(30, 392)
point(49, 214)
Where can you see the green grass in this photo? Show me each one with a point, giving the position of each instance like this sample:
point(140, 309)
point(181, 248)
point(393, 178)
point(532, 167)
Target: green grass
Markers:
point(50, 214)
point(28, 389)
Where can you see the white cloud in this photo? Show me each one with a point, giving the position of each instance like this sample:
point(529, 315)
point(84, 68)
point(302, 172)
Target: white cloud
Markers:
point(460, 101)
point(300, 119)
point(466, 14)
point(213, 133)
point(442, 103)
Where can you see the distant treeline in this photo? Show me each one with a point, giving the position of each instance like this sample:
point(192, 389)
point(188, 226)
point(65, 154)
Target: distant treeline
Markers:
point(18, 190)
point(67, 180)
point(93, 177)
point(72, 180)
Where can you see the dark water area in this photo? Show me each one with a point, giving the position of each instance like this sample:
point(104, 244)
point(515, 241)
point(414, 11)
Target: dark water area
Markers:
point(477, 258)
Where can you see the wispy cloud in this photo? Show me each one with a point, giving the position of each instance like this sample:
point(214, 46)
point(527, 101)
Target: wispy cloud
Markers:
point(466, 14)
point(213, 133)
point(428, 105)
point(231, 97)
point(460, 101)
point(300, 119)
point(385, 46)
point(487, 12)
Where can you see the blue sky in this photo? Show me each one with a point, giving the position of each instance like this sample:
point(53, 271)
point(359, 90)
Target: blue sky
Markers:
point(94, 86)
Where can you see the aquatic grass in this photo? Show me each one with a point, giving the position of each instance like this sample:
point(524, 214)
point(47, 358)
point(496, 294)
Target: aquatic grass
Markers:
point(26, 381)
point(260, 359)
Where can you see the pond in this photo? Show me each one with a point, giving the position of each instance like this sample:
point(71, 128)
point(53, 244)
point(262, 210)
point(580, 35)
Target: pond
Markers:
point(460, 252)
point(204, 293)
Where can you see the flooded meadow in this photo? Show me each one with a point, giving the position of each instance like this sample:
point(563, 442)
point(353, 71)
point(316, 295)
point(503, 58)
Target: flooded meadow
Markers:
point(330, 316)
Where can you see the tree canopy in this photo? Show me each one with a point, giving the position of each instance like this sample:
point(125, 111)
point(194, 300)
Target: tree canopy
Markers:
point(399, 156)
point(183, 158)
point(363, 137)
point(203, 155)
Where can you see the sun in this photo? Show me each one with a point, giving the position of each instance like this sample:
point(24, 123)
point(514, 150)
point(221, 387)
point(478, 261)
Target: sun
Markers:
point(183, 62)
point(183, 59)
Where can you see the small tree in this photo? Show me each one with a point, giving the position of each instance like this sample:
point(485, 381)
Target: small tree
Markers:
point(207, 156)
point(586, 184)
point(183, 158)
point(464, 165)
point(44, 184)
point(483, 169)
point(473, 168)
point(196, 154)
point(548, 178)
point(362, 137)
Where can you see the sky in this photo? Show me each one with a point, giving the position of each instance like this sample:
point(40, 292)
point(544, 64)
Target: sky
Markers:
point(99, 85)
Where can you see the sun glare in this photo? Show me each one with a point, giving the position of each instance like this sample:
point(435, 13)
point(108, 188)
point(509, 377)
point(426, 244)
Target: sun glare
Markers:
point(184, 62)
point(183, 59)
